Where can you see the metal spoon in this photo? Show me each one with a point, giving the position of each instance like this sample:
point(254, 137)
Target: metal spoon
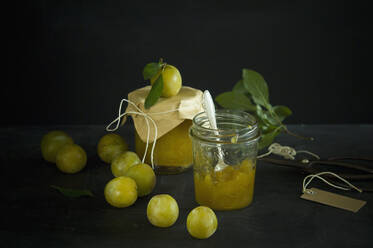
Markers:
point(209, 107)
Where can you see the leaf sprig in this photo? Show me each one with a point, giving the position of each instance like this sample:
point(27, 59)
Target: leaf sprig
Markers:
point(73, 193)
point(251, 94)
point(150, 70)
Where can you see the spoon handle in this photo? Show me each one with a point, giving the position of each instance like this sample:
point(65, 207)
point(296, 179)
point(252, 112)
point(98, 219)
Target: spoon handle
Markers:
point(209, 107)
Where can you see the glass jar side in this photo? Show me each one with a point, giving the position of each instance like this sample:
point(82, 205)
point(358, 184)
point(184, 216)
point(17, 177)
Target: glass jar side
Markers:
point(229, 188)
point(172, 152)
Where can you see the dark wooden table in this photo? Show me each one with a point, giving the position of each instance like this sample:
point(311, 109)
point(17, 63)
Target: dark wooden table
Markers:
point(35, 215)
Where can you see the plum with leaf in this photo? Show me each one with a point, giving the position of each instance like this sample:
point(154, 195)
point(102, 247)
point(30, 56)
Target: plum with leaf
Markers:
point(165, 79)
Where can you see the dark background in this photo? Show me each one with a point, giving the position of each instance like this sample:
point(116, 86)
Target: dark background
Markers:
point(70, 62)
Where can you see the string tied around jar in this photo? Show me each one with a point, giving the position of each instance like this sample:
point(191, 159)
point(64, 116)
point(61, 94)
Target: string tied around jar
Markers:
point(147, 118)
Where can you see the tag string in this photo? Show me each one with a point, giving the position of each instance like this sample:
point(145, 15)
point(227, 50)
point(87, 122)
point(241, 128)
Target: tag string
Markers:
point(147, 118)
point(285, 151)
point(307, 180)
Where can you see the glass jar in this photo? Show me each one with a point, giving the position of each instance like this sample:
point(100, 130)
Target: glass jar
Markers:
point(225, 159)
point(172, 152)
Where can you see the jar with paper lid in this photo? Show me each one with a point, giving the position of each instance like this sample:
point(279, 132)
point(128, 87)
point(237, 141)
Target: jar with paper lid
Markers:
point(162, 131)
point(225, 159)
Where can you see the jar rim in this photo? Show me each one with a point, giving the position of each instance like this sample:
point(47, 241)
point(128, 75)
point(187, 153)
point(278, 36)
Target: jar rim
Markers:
point(247, 130)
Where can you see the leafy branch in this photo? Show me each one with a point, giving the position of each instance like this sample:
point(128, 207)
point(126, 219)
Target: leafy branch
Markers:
point(251, 94)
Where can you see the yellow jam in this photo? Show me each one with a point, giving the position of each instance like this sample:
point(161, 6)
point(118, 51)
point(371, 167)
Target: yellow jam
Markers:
point(230, 188)
point(173, 151)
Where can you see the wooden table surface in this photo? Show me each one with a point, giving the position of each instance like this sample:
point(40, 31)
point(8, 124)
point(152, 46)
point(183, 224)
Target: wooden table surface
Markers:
point(35, 215)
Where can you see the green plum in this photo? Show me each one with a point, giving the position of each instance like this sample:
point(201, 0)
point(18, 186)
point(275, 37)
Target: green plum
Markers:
point(162, 210)
point(52, 142)
point(110, 146)
point(123, 162)
point(121, 192)
point(71, 158)
point(144, 177)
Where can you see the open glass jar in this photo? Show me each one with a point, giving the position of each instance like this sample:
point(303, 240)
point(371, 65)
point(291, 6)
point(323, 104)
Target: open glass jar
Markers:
point(231, 186)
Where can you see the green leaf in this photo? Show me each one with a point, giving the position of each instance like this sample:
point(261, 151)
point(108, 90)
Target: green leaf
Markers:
point(155, 92)
point(239, 87)
point(73, 193)
point(151, 70)
point(267, 139)
point(266, 117)
point(282, 111)
point(235, 100)
point(265, 127)
point(256, 86)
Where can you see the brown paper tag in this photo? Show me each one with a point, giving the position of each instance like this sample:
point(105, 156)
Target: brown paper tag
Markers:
point(334, 200)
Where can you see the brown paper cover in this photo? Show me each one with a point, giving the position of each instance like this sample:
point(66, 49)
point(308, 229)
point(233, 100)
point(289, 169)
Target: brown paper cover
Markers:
point(184, 105)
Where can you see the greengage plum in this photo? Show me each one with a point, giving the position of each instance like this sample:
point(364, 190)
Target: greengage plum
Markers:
point(71, 159)
point(171, 80)
point(52, 142)
point(162, 210)
point(144, 177)
point(123, 162)
point(110, 146)
point(121, 192)
point(202, 222)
